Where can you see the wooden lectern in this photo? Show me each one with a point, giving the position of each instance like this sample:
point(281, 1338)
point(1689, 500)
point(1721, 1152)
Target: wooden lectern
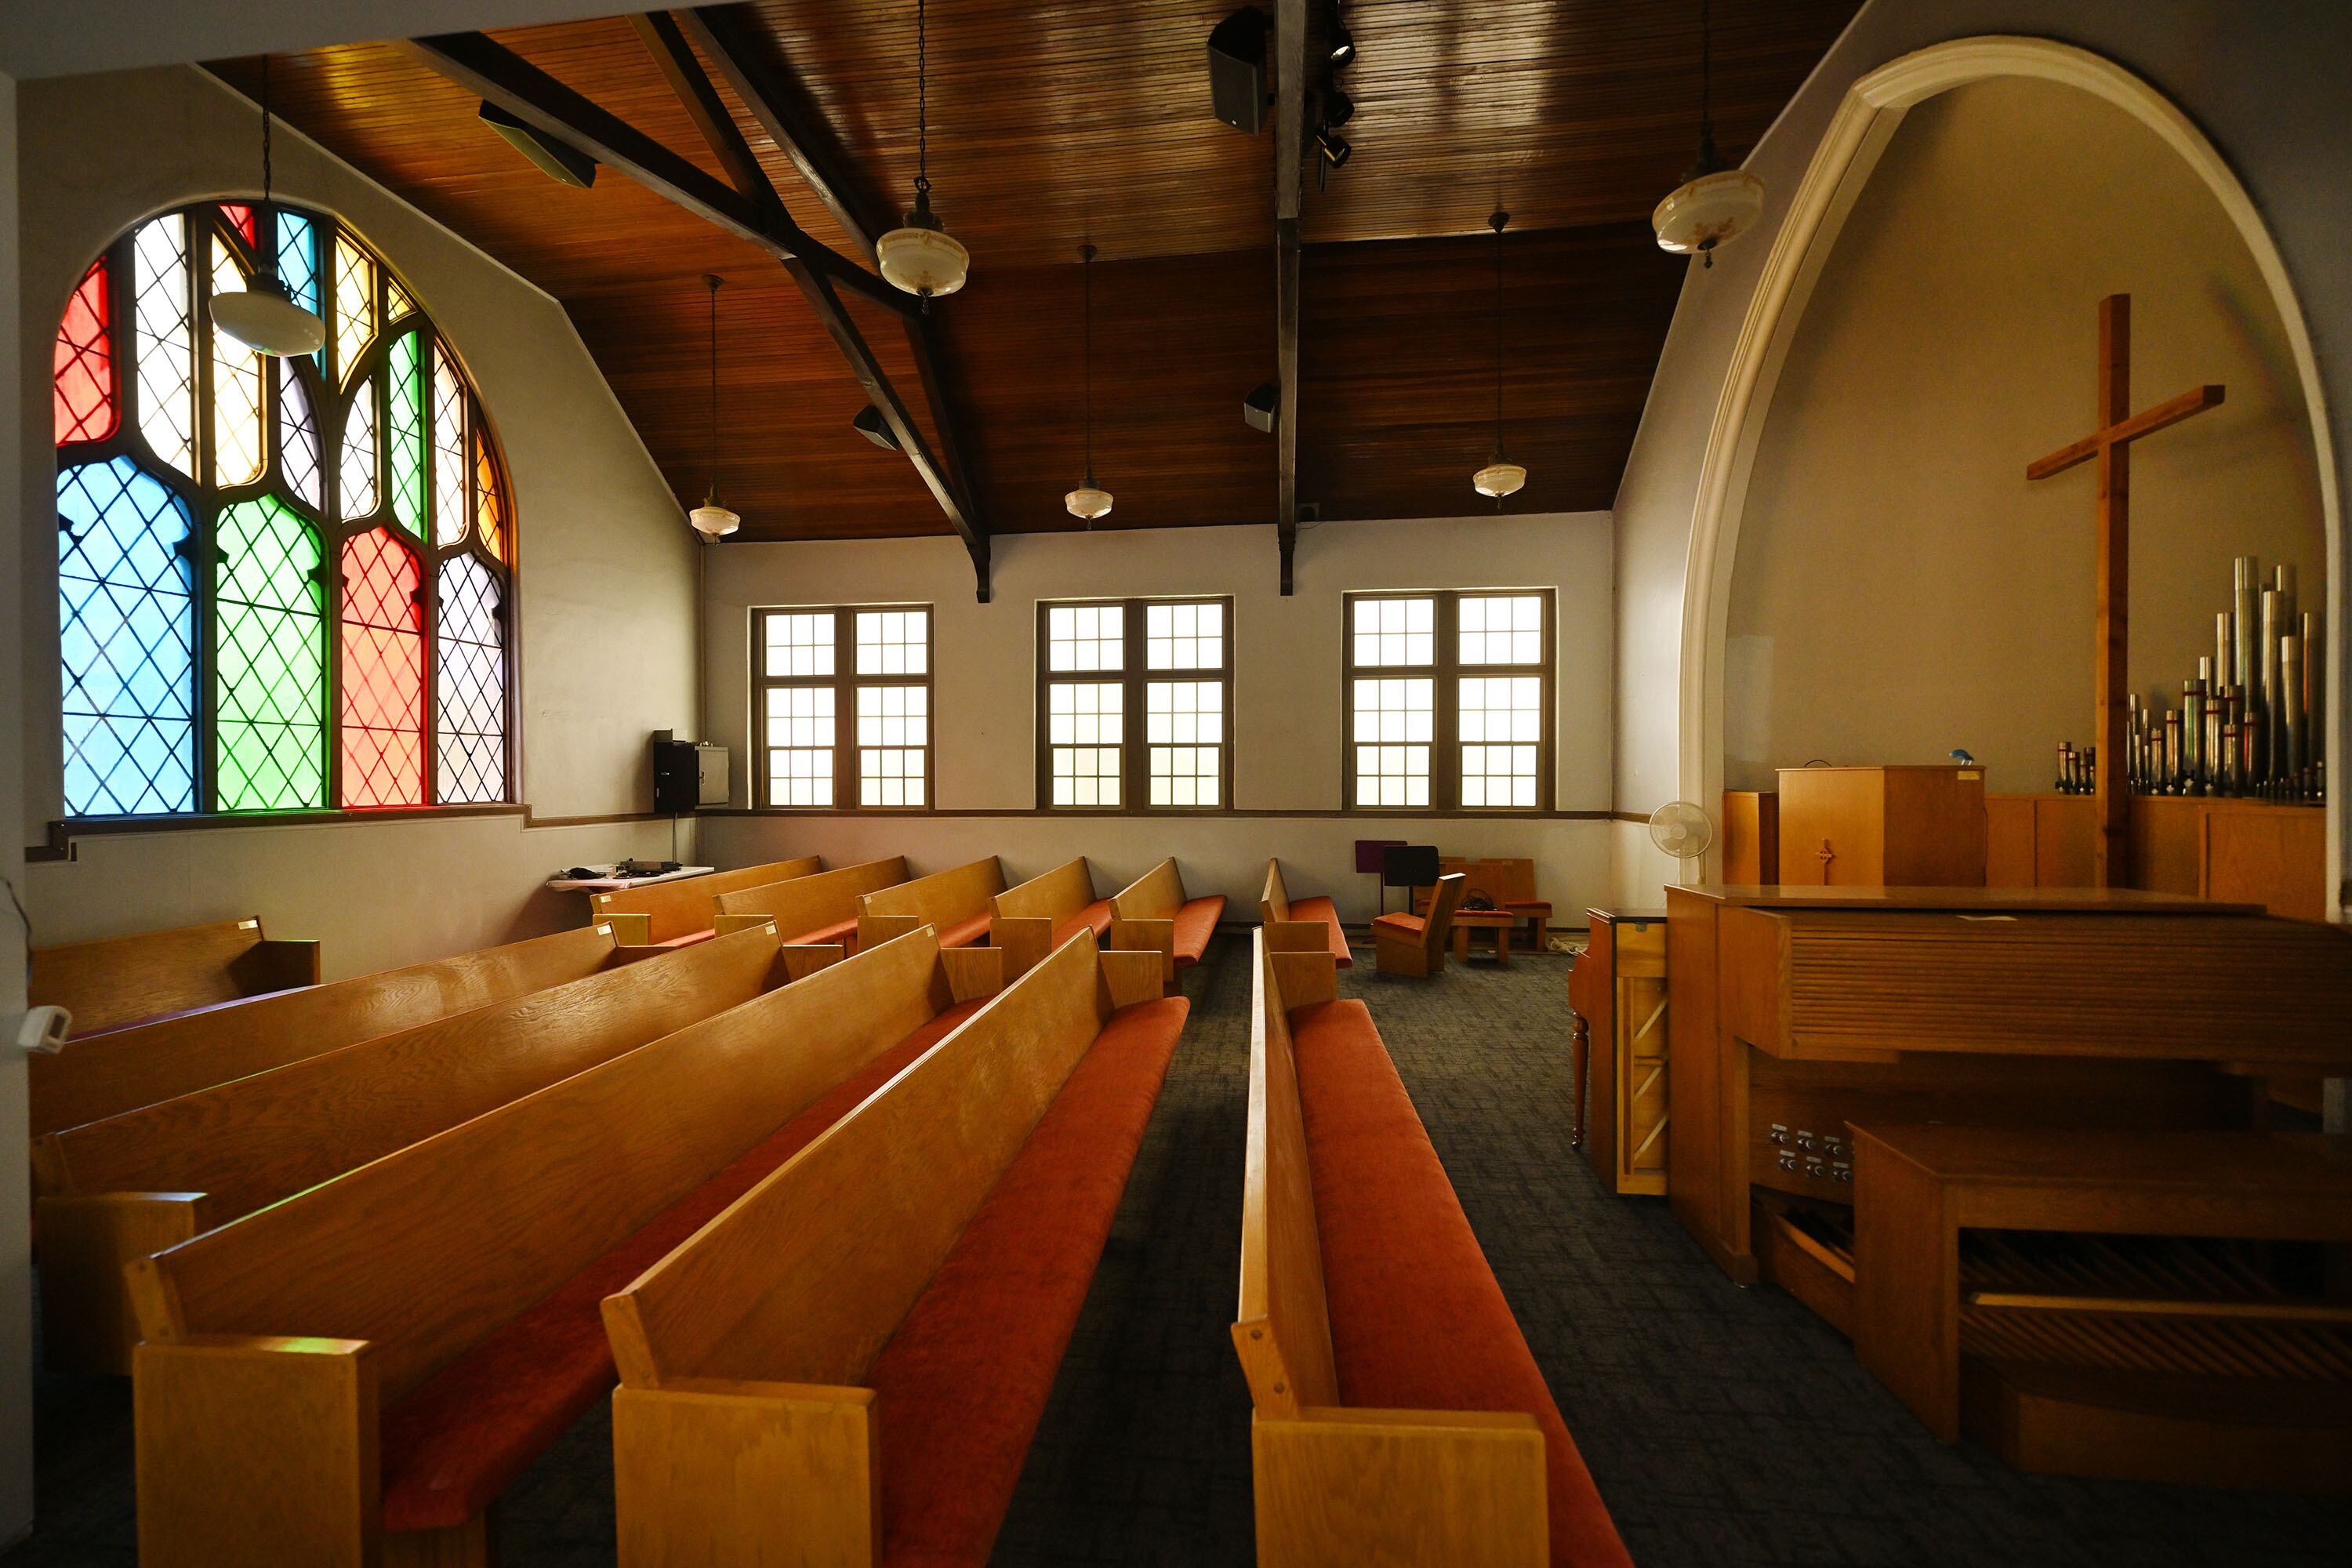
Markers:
point(1882, 826)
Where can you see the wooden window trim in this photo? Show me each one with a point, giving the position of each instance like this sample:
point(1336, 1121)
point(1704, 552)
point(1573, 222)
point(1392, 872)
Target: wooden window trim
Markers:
point(1133, 677)
point(1447, 672)
point(845, 683)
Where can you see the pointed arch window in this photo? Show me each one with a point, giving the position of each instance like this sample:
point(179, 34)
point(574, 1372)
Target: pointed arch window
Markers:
point(283, 585)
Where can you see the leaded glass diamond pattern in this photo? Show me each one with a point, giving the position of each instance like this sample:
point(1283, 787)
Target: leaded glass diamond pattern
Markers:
point(360, 460)
point(165, 341)
point(84, 364)
point(383, 686)
point(127, 639)
point(397, 302)
point(354, 305)
point(270, 685)
point(490, 499)
point(448, 449)
point(405, 425)
point(297, 260)
point(472, 680)
point(297, 437)
point(239, 451)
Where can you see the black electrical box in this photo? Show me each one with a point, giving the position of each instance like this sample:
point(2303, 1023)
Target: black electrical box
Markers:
point(687, 775)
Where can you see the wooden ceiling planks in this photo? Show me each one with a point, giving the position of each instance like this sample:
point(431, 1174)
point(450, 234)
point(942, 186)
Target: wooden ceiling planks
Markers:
point(1090, 118)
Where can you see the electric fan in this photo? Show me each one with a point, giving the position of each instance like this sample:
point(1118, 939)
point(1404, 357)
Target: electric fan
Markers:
point(1681, 830)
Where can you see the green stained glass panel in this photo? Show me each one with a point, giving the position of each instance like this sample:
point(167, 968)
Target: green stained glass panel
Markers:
point(270, 676)
point(406, 433)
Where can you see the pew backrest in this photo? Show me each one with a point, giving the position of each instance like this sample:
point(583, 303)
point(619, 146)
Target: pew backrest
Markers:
point(873, 1206)
point(117, 980)
point(942, 899)
point(810, 903)
point(673, 910)
point(425, 1251)
point(1157, 895)
point(1440, 918)
point(1055, 896)
point(1274, 897)
point(150, 1062)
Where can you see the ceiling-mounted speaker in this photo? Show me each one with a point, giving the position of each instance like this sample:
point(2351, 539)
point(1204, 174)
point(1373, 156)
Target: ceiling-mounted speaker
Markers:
point(558, 161)
point(1237, 70)
point(870, 424)
point(1261, 408)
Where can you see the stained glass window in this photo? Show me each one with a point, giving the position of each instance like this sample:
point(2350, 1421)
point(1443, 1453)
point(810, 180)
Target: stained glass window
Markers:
point(84, 361)
point(126, 611)
point(383, 673)
point(331, 679)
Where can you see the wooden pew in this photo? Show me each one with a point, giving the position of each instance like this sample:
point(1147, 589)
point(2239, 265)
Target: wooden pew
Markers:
point(117, 1189)
point(1277, 907)
point(817, 908)
point(361, 1369)
point(848, 1366)
point(1398, 1416)
point(1415, 945)
point(1032, 919)
point(126, 1069)
point(120, 980)
point(1152, 911)
point(955, 903)
point(680, 913)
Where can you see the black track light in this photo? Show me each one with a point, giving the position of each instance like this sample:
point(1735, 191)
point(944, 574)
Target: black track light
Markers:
point(1335, 149)
point(1337, 108)
point(1343, 47)
point(870, 424)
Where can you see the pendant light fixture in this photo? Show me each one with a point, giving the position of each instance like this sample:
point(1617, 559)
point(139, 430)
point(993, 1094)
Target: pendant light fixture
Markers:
point(1089, 500)
point(710, 520)
point(1714, 204)
point(920, 256)
point(261, 317)
point(1500, 476)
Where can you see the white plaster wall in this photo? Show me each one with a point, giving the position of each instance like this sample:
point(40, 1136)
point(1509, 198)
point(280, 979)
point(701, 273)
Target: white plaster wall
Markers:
point(1287, 720)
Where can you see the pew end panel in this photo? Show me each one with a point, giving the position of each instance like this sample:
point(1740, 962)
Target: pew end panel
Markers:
point(686, 1454)
point(628, 931)
point(1274, 897)
point(1147, 936)
point(276, 964)
point(1340, 1488)
point(970, 973)
point(1024, 939)
point(803, 959)
point(729, 924)
point(1127, 979)
point(873, 931)
point(88, 1241)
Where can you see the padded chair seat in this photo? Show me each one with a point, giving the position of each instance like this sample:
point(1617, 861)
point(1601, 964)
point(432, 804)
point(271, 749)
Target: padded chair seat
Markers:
point(1528, 906)
point(462, 1436)
point(1196, 922)
point(1401, 923)
point(1417, 1320)
point(1095, 917)
point(1326, 911)
point(842, 932)
point(973, 932)
point(958, 1390)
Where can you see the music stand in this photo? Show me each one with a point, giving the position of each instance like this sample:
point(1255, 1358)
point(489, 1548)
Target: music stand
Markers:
point(1407, 866)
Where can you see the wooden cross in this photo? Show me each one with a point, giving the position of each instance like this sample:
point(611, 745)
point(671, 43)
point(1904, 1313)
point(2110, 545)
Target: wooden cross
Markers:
point(2111, 445)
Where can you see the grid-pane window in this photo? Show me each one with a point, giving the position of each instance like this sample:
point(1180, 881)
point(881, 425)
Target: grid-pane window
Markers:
point(1449, 701)
point(845, 707)
point(1148, 729)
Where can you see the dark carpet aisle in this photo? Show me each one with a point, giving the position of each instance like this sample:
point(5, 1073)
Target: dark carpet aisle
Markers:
point(1724, 1427)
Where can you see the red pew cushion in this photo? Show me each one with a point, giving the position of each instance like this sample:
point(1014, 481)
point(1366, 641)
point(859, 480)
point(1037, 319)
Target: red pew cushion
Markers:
point(960, 1388)
point(842, 932)
point(1418, 1322)
point(1196, 922)
point(1095, 917)
point(973, 932)
point(1326, 911)
point(690, 938)
point(461, 1437)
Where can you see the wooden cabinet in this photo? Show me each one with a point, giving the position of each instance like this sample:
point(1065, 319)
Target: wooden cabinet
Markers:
point(2043, 841)
point(1751, 837)
point(1882, 826)
point(1618, 989)
point(2238, 852)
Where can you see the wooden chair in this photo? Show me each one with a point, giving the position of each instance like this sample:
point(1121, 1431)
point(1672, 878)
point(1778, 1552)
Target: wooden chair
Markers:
point(1510, 887)
point(125, 1069)
point(118, 1189)
point(1277, 907)
point(1415, 945)
point(1153, 911)
point(846, 1366)
point(356, 1372)
point(1033, 918)
point(120, 980)
point(680, 913)
point(1447, 1446)
point(955, 903)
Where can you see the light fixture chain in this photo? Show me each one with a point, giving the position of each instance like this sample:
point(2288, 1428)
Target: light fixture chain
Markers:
point(264, 132)
point(712, 279)
point(1706, 72)
point(1087, 270)
point(922, 101)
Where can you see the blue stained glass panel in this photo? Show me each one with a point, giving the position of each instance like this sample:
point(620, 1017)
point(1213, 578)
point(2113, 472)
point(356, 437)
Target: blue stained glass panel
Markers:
point(126, 617)
point(298, 264)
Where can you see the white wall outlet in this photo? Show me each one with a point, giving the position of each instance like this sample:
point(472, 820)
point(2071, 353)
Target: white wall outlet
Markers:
point(44, 1029)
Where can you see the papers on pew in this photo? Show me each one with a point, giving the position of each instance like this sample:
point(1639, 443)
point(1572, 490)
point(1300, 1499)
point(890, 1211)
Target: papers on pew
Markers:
point(606, 881)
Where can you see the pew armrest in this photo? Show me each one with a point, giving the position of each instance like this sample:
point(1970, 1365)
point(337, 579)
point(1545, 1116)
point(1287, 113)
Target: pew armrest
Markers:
point(973, 973)
point(1128, 978)
point(1023, 940)
point(1147, 936)
point(873, 931)
point(88, 1320)
point(803, 959)
point(277, 963)
point(687, 1456)
point(256, 1449)
point(727, 925)
point(1342, 1487)
point(629, 930)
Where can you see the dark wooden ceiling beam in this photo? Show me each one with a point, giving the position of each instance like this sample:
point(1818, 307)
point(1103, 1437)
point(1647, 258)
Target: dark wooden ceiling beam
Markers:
point(1289, 135)
point(675, 55)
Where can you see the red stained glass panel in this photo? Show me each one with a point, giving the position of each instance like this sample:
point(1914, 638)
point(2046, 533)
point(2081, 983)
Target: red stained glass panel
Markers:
point(383, 673)
point(86, 406)
point(240, 218)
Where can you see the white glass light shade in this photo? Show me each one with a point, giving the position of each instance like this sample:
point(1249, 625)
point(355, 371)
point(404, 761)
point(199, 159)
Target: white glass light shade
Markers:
point(1705, 212)
point(712, 521)
point(263, 318)
point(1499, 478)
point(1088, 503)
point(924, 261)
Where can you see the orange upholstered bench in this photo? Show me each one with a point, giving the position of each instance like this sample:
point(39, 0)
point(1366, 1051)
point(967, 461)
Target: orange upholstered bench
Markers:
point(815, 909)
point(454, 1284)
point(1153, 911)
point(113, 982)
point(848, 1366)
point(683, 912)
point(1033, 917)
point(1277, 907)
point(1400, 1417)
point(955, 903)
